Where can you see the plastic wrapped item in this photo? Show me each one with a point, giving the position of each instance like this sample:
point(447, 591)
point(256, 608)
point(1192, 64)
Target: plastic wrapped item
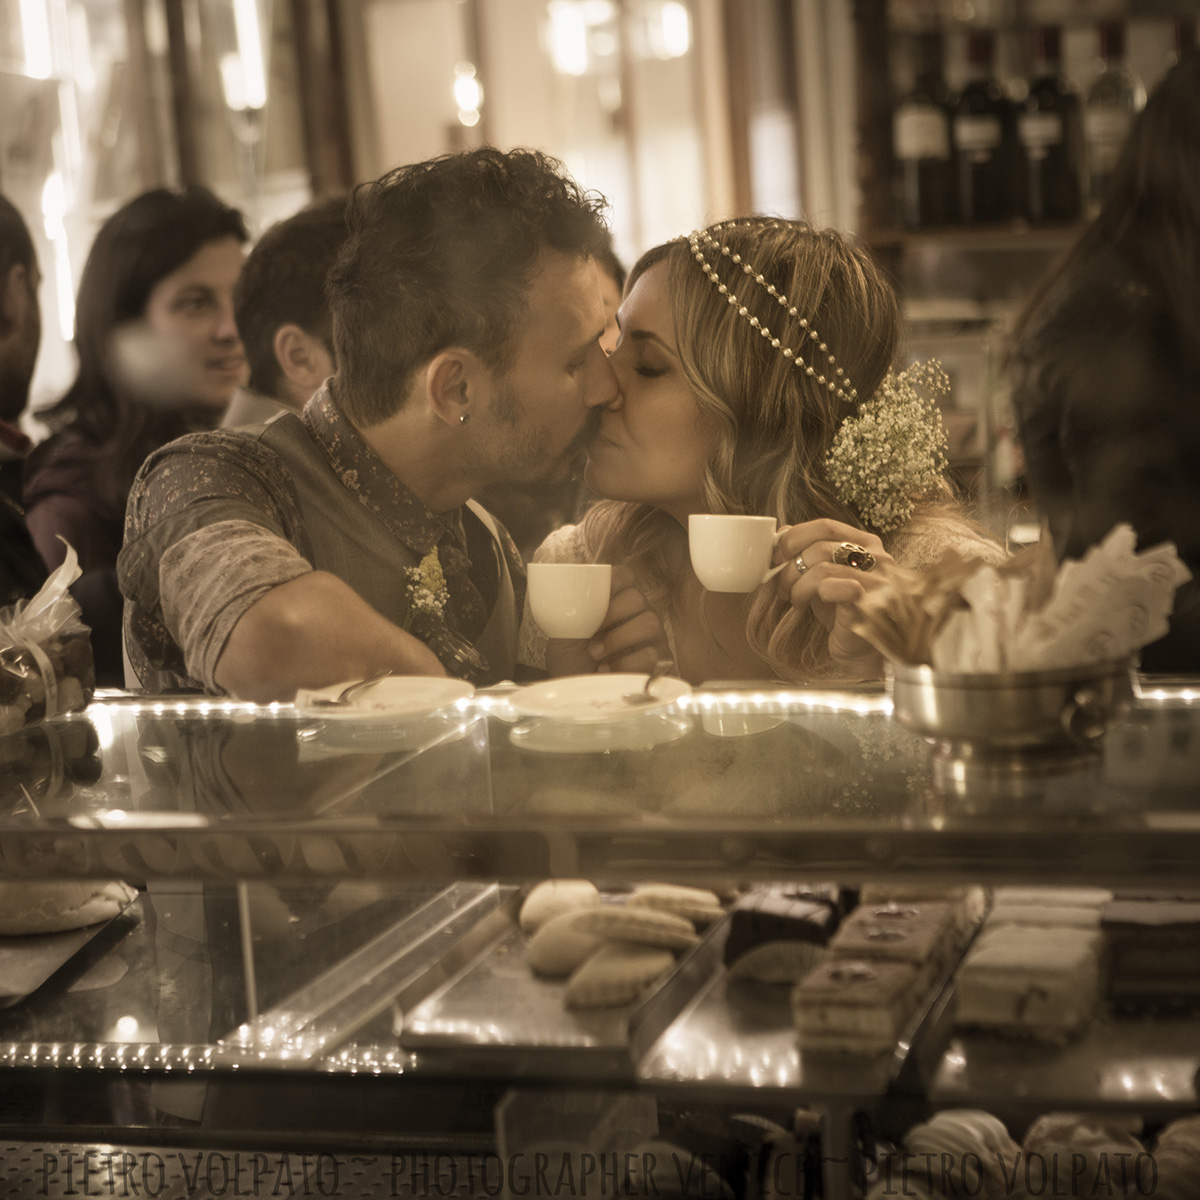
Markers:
point(46, 663)
point(46, 764)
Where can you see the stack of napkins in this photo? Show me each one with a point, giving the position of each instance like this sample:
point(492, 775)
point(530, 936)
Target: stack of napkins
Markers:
point(1025, 615)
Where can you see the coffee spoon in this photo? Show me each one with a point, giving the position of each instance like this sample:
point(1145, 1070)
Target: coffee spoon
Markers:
point(645, 696)
point(343, 697)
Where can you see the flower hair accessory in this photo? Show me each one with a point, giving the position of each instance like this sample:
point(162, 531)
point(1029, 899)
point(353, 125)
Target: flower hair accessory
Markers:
point(893, 452)
point(701, 239)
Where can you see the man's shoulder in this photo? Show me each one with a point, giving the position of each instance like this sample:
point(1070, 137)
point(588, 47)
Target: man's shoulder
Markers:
point(242, 448)
point(221, 465)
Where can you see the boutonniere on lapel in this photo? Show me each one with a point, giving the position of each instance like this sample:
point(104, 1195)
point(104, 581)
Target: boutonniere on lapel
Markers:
point(428, 602)
point(427, 592)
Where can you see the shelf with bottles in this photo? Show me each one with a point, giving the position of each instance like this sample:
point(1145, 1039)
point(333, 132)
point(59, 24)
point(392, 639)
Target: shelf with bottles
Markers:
point(1003, 128)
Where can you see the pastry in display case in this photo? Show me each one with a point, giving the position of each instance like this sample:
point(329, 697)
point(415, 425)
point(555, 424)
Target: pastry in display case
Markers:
point(408, 919)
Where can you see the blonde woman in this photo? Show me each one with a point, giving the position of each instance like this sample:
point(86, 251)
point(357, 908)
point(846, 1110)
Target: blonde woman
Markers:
point(753, 366)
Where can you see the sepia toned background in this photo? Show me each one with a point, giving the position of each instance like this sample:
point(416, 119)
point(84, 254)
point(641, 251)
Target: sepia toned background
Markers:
point(679, 111)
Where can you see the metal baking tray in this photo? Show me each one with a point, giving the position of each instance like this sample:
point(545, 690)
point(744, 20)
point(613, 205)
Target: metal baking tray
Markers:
point(1136, 1062)
point(32, 961)
point(397, 968)
point(497, 1017)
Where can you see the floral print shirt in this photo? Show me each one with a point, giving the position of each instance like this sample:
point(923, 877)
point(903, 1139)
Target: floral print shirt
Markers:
point(217, 519)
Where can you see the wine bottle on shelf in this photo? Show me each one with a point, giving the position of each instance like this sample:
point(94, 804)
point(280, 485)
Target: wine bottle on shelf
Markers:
point(921, 140)
point(1114, 98)
point(984, 137)
point(1050, 129)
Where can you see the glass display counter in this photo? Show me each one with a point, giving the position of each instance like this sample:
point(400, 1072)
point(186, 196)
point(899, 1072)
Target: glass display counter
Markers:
point(743, 783)
point(324, 948)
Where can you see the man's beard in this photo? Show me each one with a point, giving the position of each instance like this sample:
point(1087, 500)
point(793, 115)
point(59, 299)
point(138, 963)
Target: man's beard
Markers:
point(525, 459)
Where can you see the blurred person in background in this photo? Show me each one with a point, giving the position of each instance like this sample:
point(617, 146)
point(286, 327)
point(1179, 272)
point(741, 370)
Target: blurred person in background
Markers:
point(1106, 361)
point(159, 356)
point(283, 314)
point(22, 570)
point(532, 513)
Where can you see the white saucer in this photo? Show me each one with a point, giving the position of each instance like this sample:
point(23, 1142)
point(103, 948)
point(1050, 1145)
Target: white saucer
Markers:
point(393, 698)
point(596, 699)
point(561, 737)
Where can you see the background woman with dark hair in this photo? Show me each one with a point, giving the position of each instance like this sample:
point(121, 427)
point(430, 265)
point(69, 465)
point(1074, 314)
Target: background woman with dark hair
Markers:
point(1106, 365)
point(159, 356)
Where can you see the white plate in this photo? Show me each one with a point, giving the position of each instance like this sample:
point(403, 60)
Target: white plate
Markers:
point(643, 733)
point(396, 697)
point(595, 698)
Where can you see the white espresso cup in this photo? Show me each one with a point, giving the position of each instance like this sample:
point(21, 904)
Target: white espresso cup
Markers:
point(569, 600)
point(732, 553)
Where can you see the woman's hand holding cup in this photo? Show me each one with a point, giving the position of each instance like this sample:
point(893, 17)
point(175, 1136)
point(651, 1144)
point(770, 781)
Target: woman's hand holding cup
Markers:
point(828, 567)
point(730, 552)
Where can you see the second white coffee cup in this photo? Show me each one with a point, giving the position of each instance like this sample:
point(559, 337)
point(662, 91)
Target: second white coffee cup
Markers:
point(732, 553)
point(569, 600)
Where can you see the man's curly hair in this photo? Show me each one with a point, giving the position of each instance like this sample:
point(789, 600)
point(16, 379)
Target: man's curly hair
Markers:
point(441, 253)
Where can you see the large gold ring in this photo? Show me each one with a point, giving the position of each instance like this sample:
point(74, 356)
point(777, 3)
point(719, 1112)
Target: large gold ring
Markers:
point(851, 554)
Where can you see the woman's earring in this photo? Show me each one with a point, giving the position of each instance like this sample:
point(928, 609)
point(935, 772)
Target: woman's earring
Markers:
point(464, 419)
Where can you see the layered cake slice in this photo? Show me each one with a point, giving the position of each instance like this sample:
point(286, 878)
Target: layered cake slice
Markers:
point(1153, 951)
point(969, 903)
point(921, 934)
point(1041, 982)
point(853, 1006)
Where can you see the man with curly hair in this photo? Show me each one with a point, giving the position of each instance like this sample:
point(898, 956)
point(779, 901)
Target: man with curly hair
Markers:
point(466, 322)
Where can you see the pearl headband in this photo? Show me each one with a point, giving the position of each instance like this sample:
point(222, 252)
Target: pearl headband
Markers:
point(841, 389)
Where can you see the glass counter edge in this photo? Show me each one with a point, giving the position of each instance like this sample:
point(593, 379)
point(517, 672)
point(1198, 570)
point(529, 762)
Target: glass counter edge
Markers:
point(763, 697)
point(1149, 690)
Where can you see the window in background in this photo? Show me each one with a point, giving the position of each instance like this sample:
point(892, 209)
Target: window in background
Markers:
point(613, 88)
point(102, 99)
point(240, 119)
point(82, 130)
point(771, 74)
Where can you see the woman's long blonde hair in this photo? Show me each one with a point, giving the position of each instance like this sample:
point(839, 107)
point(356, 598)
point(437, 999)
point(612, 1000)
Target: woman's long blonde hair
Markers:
point(775, 424)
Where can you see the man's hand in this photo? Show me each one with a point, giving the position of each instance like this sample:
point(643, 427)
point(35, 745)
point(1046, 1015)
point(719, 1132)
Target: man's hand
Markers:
point(311, 632)
point(631, 637)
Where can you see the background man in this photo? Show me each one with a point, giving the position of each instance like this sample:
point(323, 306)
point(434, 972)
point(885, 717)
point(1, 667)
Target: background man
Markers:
point(283, 315)
point(466, 323)
point(22, 571)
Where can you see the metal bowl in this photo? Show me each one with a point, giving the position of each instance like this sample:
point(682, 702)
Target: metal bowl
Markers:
point(1001, 729)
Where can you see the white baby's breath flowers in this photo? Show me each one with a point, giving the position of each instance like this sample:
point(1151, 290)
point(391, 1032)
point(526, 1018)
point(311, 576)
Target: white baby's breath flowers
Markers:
point(427, 591)
point(893, 452)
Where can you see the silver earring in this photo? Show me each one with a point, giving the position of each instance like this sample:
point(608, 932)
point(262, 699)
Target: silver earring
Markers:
point(464, 419)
